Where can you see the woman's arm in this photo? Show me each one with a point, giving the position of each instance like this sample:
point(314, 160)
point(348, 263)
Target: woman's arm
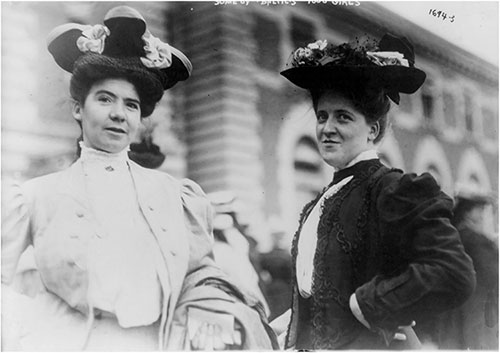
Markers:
point(204, 273)
point(426, 270)
point(16, 231)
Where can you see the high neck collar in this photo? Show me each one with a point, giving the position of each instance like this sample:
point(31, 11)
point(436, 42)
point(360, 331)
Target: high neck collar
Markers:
point(363, 156)
point(359, 164)
point(89, 154)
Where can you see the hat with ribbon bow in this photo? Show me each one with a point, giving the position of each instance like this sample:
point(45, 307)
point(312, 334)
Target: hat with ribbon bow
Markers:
point(388, 64)
point(123, 45)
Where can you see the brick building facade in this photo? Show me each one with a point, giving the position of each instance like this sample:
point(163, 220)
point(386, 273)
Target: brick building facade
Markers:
point(236, 124)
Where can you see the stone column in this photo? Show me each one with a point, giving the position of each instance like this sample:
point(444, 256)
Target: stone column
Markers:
point(221, 120)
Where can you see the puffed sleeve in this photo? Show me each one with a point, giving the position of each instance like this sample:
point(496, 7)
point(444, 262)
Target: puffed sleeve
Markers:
point(202, 268)
point(197, 207)
point(435, 273)
point(198, 215)
point(16, 231)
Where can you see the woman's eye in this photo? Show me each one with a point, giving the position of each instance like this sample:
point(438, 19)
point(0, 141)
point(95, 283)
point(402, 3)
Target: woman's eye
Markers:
point(322, 116)
point(104, 99)
point(133, 106)
point(344, 117)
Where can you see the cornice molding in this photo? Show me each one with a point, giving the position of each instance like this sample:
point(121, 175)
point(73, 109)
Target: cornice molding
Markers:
point(378, 20)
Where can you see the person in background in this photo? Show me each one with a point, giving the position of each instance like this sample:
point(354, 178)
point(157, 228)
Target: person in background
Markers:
point(275, 273)
point(474, 325)
point(123, 253)
point(375, 251)
point(234, 251)
point(146, 153)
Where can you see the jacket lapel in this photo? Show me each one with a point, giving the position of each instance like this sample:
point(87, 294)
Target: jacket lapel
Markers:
point(160, 202)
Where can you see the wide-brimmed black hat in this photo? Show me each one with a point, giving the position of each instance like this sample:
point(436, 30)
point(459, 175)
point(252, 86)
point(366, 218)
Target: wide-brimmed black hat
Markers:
point(122, 44)
point(389, 64)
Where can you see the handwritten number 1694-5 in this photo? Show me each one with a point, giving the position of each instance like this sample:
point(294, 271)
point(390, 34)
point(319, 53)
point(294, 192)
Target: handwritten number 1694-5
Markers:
point(441, 14)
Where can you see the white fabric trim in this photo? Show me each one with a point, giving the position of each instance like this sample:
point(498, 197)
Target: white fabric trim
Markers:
point(356, 310)
point(308, 235)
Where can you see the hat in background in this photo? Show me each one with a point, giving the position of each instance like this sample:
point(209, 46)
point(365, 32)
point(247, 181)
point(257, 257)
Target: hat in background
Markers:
point(146, 153)
point(123, 43)
point(388, 64)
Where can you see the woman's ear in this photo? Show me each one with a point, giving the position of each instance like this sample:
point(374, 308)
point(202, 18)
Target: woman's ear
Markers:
point(374, 131)
point(77, 111)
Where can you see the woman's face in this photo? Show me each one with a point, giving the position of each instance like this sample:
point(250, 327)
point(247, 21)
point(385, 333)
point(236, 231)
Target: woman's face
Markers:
point(342, 131)
point(110, 115)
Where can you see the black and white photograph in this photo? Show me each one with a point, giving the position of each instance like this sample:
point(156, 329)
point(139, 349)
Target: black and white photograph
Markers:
point(249, 175)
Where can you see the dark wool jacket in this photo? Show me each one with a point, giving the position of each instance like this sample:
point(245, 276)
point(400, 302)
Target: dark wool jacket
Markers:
point(385, 236)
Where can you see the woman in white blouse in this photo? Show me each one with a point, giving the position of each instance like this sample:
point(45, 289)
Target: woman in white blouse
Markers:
point(121, 251)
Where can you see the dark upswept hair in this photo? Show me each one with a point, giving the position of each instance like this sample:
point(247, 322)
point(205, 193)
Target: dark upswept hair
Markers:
point(90, 69)
point(369, 99)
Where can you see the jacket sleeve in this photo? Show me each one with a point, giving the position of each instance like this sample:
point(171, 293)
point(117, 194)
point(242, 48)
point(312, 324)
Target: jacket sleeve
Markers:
point(202, 268)
point(425, 268)
point(198, 215)
point(204, 276)
point(16, 230)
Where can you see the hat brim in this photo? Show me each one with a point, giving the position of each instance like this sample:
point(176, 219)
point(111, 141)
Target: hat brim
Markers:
point(392, 78)
point(61, 43)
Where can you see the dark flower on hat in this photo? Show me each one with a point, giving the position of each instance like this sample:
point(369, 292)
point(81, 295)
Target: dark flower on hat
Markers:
point(121, 47)
point(322, 53)
point(388, 63)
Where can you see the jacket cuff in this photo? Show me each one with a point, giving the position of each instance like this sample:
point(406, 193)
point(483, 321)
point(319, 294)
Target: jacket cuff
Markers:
point(356, 310)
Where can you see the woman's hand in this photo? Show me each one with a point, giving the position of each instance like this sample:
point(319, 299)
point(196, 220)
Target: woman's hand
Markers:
point(280, 324)
point(209, 338)
point(406, 333)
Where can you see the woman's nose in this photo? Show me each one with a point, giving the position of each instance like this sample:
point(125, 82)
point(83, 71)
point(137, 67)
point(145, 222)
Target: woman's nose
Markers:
point(118, 112)
point(330, 126)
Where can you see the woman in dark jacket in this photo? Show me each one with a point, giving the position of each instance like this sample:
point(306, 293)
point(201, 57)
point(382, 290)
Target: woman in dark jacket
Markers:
point(375, 252)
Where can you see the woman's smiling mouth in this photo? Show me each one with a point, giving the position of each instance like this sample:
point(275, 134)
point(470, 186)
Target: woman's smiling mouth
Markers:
point(116, 130)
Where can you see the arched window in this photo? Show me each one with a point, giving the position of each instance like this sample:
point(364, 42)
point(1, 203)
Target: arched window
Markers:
point(308, 174)
point(450, 110)
point(301, 172)
point(389, 152)
point(431, 157)
point(428, 101)
point(469, 112)
point(433, 170)
point(490, 123)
